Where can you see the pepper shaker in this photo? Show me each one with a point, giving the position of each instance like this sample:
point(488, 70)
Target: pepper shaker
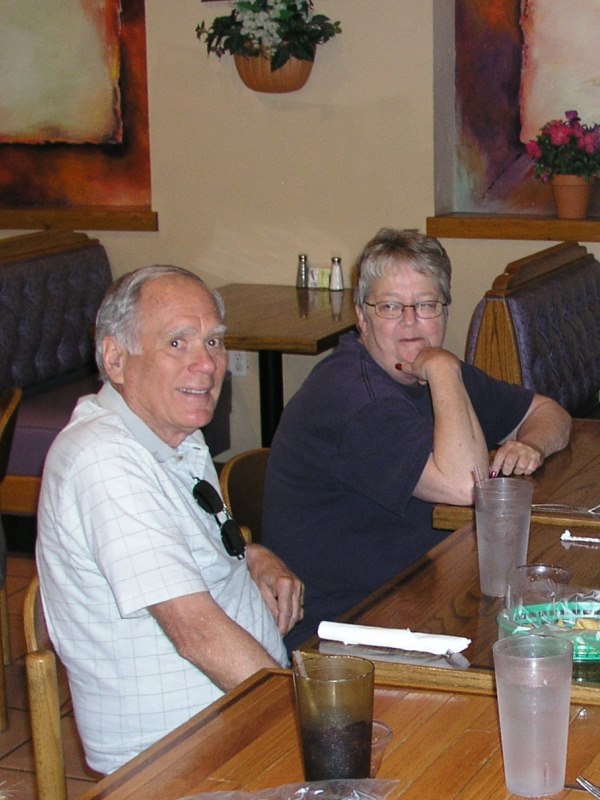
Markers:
point(336, 278)
point(302, 273)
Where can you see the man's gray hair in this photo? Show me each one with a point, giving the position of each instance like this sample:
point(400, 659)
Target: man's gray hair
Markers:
point(117, 315)
point(389, 247)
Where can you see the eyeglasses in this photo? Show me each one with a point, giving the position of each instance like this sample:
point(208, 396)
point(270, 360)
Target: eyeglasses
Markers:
point(390, 309)
point(209, 500)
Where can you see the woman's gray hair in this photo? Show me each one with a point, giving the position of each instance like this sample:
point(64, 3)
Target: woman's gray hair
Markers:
point(117, 315)
point(389, 247)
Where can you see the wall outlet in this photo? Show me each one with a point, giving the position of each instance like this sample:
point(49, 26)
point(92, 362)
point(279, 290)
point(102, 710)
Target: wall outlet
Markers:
point(238, 363)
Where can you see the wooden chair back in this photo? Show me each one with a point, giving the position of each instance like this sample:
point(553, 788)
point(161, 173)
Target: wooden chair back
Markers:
point(10, 399)
point(44, 700)
point(242, 482)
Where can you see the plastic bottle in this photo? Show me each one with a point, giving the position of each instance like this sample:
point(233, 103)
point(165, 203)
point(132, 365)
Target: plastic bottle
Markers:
point(336, 278)
point(302, 274)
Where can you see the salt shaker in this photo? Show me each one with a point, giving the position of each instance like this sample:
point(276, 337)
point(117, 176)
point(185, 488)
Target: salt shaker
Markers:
point(336, 279)
point(302, 274)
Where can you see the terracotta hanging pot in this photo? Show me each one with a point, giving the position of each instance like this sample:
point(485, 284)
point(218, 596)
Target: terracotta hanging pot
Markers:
point(256, 73)
point(571, 195)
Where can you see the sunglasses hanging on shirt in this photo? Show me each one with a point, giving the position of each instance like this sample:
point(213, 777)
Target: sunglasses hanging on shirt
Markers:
point(210, 501)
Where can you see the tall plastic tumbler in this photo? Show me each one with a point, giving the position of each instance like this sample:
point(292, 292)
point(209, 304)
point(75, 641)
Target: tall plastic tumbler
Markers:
point(533, 683)
point(502, 519)
point(334, 699)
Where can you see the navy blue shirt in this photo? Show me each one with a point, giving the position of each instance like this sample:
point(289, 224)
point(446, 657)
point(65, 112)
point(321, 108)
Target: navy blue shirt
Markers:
point(347, 454)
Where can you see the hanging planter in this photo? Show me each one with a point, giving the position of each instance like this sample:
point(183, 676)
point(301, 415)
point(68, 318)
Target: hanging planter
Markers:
point(273, 42)
point(571, 195)
point(256, 74)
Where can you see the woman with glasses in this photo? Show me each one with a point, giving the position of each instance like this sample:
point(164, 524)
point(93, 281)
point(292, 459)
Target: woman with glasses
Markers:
point(384, 427)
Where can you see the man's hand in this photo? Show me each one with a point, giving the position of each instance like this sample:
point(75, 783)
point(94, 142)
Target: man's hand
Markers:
point(281, 590)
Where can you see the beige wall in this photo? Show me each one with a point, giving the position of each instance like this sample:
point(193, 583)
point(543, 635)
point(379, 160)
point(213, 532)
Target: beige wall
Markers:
point(243, 182)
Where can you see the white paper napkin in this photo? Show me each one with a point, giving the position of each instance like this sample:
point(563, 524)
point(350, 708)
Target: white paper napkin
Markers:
point(400, 638)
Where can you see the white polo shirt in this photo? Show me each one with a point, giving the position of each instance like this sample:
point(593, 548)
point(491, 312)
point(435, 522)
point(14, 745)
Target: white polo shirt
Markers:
point(118, 531)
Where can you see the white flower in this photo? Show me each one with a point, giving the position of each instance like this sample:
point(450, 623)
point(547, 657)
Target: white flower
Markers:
point(263, 27)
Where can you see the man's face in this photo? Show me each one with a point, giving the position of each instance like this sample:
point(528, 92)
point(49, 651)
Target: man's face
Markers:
point(174, 383)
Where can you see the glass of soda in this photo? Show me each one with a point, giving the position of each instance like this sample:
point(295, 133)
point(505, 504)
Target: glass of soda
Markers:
point(334, 701)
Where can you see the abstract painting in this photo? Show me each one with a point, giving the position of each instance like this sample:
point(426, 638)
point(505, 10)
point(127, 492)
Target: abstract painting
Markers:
point(74, 110)
point(518, 64)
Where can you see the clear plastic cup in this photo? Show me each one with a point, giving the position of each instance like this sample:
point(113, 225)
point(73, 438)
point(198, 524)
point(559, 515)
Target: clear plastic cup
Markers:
point(536, 584)
point(533, 683)
point(502, 518)
point(382, 736)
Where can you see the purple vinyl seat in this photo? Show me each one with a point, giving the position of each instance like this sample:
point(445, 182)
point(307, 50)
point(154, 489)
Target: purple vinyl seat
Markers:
point(40, 418)
point(51, 285)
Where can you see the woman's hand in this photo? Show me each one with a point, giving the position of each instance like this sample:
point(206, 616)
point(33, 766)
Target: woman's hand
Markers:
point(516, 458)
point(430, 358)
point(544, 430)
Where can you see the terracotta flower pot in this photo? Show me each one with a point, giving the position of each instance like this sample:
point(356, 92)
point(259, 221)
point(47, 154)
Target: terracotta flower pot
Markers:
point(571, 195)
point(256, 73)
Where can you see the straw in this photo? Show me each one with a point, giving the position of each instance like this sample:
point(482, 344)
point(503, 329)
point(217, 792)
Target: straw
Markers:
point(478, 476)
point(298, 660)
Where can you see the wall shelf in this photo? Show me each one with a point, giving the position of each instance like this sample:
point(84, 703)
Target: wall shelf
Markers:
point(497, 226)
point(107, 218)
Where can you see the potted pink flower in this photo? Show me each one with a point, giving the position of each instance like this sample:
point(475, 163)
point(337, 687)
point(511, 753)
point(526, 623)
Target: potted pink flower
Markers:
point(567, 153)
point(566, 147)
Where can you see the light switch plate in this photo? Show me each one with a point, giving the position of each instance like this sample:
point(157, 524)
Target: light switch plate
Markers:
point(238, 363)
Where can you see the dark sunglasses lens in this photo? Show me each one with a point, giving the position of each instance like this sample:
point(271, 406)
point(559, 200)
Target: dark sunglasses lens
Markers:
point(232, 539)
point(207, 497)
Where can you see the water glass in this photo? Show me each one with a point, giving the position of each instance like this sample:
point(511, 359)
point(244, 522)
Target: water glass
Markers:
point(502, 518)
point(533, 683)
point(535, 585)
point(382, 736)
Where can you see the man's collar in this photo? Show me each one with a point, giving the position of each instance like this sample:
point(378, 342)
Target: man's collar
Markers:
point(110, 399)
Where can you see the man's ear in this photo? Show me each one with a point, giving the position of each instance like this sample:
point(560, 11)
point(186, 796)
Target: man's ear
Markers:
point(114, 356)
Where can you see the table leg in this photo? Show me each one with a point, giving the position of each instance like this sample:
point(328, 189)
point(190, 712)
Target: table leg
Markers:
point(270, 376)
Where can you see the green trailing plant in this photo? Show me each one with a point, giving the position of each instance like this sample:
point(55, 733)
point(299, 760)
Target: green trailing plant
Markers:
point(276, 29)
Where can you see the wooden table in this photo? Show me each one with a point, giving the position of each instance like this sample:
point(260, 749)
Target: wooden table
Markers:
point(273, 320)
point(440, 594)
point(571, 477)
point(444, 746)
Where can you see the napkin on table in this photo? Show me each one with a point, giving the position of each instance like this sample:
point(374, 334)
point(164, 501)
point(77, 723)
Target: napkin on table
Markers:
point(400, 638)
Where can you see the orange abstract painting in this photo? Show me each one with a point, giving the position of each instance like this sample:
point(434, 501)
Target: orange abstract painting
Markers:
point(53, 93)
point(74, 109)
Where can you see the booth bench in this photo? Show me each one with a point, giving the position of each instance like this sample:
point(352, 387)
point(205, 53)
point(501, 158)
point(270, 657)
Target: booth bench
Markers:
point(539, 326)
point(51, 285)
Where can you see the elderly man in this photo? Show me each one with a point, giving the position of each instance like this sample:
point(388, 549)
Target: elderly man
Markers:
point(150, 613)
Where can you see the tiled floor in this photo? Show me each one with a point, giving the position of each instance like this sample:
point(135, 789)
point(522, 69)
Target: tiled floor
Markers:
point(17, 780)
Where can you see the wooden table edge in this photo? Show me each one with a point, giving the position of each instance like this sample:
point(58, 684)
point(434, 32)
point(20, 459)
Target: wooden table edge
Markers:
point(400, 676)
point(449, 518)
